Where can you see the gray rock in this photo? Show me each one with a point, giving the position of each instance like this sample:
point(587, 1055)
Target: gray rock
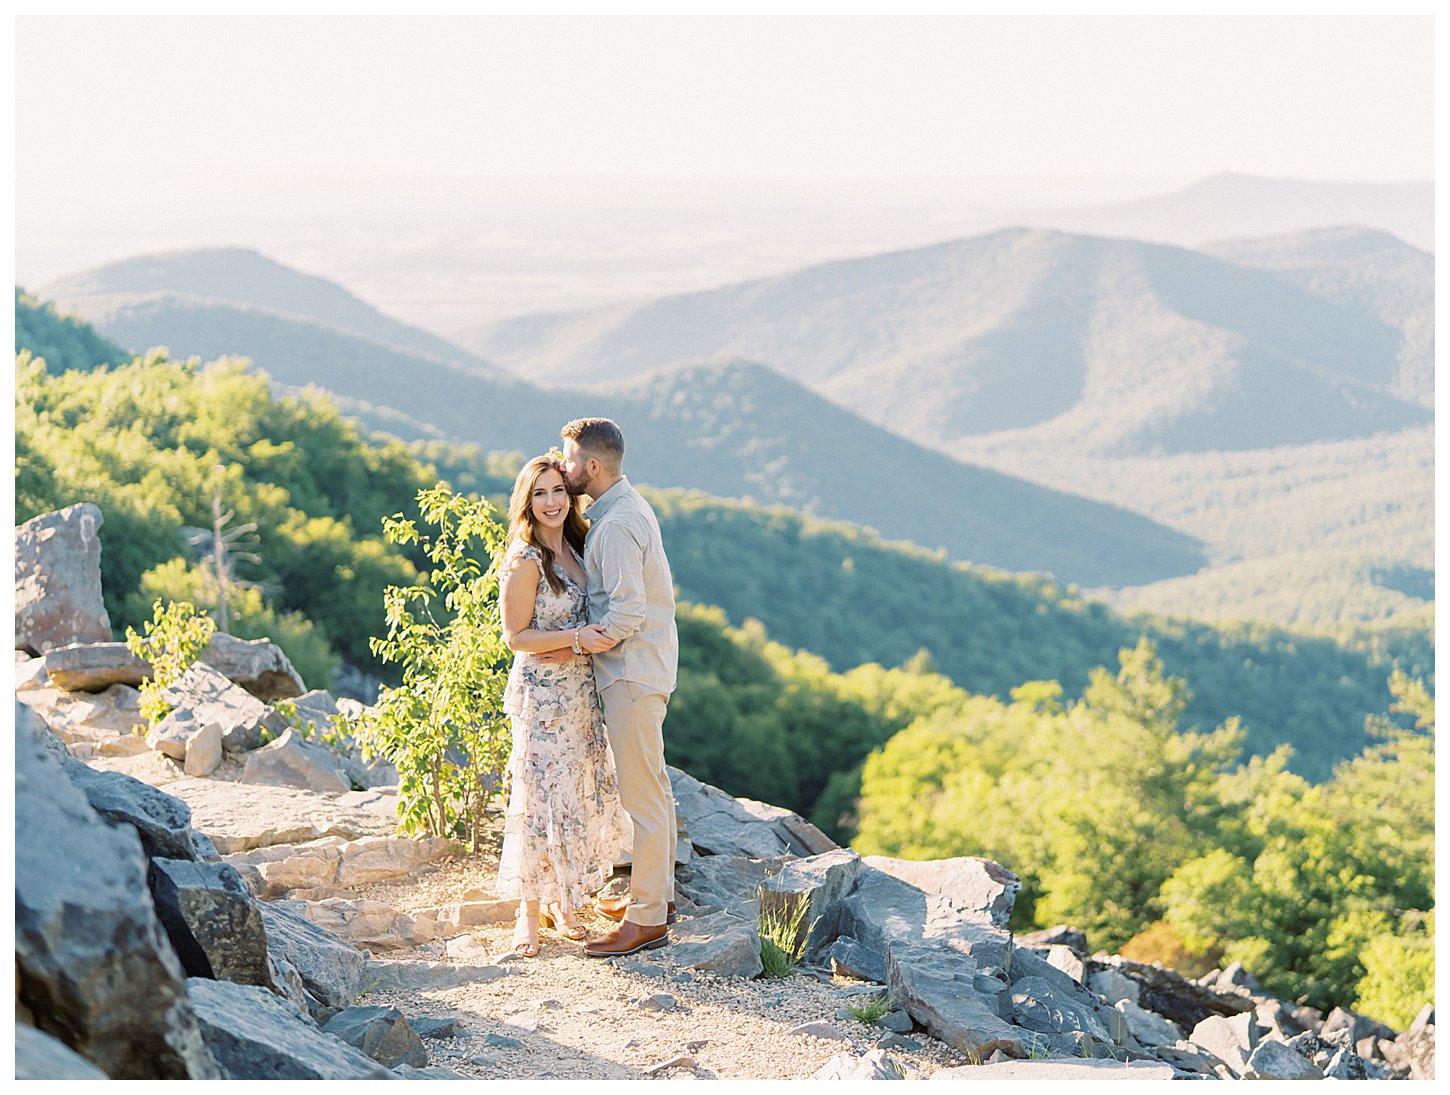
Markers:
point(390, 976)
point(1413, 1052)
point(875, 1064)
point(892, 1040)
point(30, 672)
point(1349, 1065)
point(1187, 1057)
point(853, 959)
point(1040, 1006)
point(727, 882)
point(1359, 1026)
point(821, 1029)
point(203, 751)
point(1276, 1017)
point(798, 835)
point(438, 1029)
point(162, 821)
point(258, 665)
point(212, 919)
point(291, 762)
point(331, 969)
point(1067, 960)
point(1230, 1039)
point(502, 1041)
point(1075, 939)
point(1113, 985)
point(38, 1056)
point(204, 695)
point(58, 580)
point(257, 1036)
point(380, 1032)
point(1148, 1028)
point(898, 1021)
point(1234, 978)
point(1100, 1070)
point(819, 882)
point(94, 666)
point(1173, 996)
point(660, 1001)
point(1424, 1018)
point(1273, 1060)
point(969, 883)
point(364, 923)
point(101, 719)
point(720, 825)
point(882, 910)
point(937, 988)
point(92, 961)
point(722, 943)
point(239, 817)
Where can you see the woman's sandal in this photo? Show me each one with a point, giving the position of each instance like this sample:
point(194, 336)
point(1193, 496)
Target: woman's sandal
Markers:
point(552, 916)
point(526, 935)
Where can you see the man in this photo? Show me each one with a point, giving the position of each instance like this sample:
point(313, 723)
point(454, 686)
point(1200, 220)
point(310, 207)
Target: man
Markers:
point(636, 652)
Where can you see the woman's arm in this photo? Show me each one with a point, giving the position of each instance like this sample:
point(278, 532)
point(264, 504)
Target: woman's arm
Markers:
point(518, 589)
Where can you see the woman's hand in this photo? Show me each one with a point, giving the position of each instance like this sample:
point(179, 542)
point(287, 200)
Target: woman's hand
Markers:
point(593, 640)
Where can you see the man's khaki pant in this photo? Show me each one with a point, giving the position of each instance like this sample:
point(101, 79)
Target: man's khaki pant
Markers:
point(634, 718)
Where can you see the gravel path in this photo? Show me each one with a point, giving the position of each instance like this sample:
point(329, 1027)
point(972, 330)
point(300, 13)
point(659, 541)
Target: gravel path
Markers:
point(563, 1015)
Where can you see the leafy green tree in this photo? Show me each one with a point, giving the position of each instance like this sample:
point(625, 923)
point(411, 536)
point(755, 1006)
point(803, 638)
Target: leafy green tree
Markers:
point(174, 637)
point(444, 728)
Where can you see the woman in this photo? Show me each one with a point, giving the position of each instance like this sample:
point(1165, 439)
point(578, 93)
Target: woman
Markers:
point(562, 831)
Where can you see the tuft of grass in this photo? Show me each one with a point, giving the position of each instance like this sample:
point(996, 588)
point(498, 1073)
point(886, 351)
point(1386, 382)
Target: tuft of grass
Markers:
point(783, 931)
point(873, 1009)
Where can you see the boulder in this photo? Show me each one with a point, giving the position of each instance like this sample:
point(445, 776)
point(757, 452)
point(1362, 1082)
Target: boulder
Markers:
point(88, 716)
point(203, 751)
point(718, 824)
point(127, 745)
point(1187, 1057)
point(92, 667)
point(722, 943)
point(258, 665)
point(239, 817)
point(1359, 1026)
point(875, 1064)
point(726, 881)
point(277, 869)
point(1273, 1060)
point(450, 920)
point(212, 919)
point(162, 821)
point(1103, 1071)
point(1234, 978)
point(1147, 1028)
point(939, 989)
point(969, 883)
point(881, 911)
point(819, 884)
point(1171, 995)
point(330, 968)
point(1039, 1005)
point(374, 925)
point(1413, 1052)
point(38, 1056)
point(58, 580)
point(204, 695)
point(256, 1036)
point(382, 1033)
point(1065, 959)
point(93, 965)
point(150, 768)
point(1229, 1038)
point(29, 672)
point(380, 858)
point(799, 835)
point(1349, 1065)
point(852, 959)
point(291, 761)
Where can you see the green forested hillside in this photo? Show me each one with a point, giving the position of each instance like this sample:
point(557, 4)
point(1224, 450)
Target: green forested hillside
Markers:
point(66, 342)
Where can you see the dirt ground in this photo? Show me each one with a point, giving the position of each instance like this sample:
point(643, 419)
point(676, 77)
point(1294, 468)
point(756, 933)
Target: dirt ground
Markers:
point(563, 1015)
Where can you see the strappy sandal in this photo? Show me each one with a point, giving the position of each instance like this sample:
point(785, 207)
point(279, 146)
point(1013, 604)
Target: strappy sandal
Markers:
point(552, 916)
point(526, 935)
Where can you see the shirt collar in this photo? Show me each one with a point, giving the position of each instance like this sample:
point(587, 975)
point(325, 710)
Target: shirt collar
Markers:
point(600, 505)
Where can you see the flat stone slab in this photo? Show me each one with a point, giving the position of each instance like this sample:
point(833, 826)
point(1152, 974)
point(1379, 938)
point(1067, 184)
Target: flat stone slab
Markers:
point(970, 883)
point(1101, 1070)
point(240, 816)
point(406, 976)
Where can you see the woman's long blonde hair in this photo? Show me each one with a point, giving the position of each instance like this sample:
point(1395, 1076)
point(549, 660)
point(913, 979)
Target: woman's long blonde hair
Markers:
point(521, 516)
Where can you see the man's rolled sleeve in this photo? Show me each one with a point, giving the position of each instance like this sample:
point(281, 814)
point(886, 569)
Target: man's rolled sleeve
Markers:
point(621, 565)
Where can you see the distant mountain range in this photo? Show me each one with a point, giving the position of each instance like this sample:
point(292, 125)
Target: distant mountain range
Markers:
point(1101, 346)
point(728, 427)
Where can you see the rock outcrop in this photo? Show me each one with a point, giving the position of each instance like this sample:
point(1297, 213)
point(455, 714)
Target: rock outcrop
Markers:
point(58, 580)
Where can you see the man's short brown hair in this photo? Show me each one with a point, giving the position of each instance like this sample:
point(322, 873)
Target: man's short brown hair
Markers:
point(599, 438)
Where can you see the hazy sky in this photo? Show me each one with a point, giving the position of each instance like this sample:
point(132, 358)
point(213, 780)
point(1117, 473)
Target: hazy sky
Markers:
point(806, 97)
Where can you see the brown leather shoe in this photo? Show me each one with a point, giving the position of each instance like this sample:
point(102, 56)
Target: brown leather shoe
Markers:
point(615, 910)
point(628, 938)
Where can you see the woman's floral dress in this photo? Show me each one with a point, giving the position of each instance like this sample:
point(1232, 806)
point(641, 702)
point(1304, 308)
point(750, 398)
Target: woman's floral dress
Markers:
point(564, 826)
